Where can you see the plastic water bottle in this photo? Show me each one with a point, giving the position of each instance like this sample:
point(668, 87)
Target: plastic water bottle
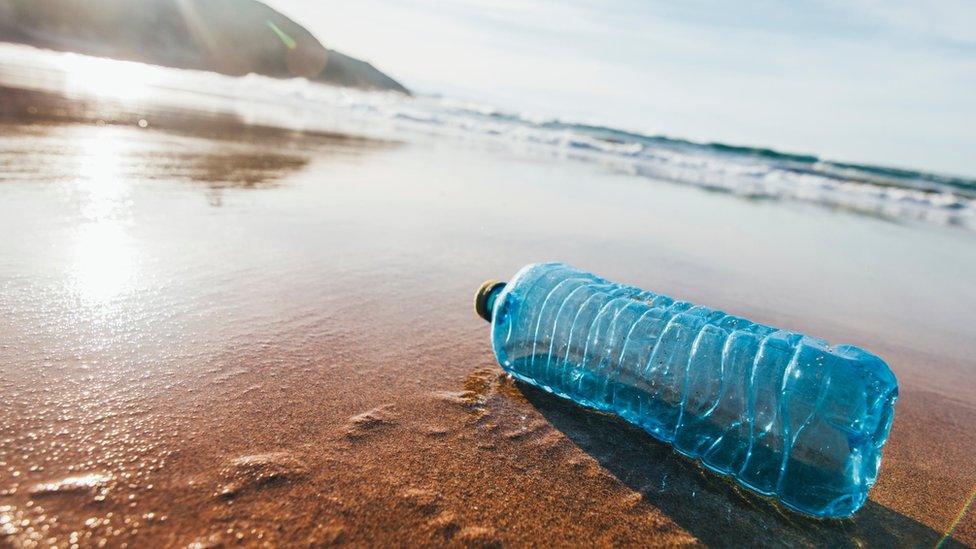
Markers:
point(784, 414)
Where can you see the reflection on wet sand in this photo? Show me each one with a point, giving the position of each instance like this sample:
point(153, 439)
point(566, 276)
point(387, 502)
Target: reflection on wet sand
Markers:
point(90, 331)
point(227, 153)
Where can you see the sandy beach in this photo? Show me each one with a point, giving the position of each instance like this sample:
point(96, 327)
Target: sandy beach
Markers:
point(216, 333)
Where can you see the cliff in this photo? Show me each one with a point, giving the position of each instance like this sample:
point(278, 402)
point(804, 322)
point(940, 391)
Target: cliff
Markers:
point(234, 37)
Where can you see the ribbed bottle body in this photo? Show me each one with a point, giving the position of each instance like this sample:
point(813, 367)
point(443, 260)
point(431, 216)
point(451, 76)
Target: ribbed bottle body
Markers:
point(784, 414)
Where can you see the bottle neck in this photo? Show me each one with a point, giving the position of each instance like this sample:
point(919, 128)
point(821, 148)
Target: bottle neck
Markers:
point(484, 300)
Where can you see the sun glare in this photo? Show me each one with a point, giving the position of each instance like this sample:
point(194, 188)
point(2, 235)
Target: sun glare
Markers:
point(107, 78)
point(103, 254)
point(103, 261)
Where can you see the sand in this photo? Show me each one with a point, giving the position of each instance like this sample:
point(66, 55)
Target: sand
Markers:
point(214, 334)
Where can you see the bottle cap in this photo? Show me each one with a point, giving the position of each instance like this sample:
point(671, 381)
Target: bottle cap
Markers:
point(485, 298)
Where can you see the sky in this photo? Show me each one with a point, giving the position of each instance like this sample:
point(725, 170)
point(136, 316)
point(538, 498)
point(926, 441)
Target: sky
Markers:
point(886, 82)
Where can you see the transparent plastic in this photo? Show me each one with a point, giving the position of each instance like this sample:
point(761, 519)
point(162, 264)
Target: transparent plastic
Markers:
point(784, 414)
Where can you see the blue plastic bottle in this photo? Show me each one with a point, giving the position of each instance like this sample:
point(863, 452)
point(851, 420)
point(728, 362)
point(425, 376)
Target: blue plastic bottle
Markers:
point(784, 414)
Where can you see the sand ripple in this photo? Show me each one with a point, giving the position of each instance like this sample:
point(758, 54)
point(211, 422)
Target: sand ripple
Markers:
point(362, 424)
point(88, 483)
point(256, 471)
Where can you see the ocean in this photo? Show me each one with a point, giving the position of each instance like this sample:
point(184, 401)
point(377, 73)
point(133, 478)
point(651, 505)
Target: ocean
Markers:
point(900, 195)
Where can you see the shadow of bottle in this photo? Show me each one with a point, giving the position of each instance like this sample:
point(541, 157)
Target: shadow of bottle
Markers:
point(713, 508)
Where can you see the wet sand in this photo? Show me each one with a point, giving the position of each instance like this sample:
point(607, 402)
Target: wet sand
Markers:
point(213, 334)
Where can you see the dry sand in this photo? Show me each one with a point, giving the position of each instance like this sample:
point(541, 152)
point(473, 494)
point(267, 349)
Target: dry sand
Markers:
point(218, 335)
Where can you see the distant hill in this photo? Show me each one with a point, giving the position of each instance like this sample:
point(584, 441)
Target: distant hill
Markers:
point(234, 37)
